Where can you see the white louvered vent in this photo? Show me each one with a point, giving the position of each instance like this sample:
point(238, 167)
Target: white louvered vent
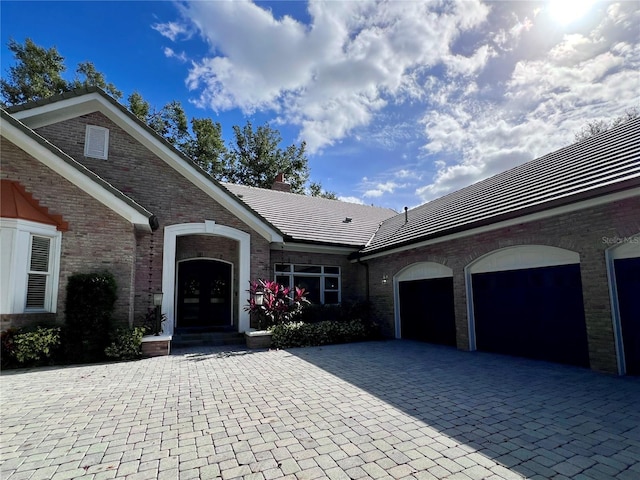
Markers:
point(96, 142)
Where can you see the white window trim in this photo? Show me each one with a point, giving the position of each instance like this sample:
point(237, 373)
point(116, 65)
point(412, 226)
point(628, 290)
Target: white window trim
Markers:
point(16, 253)
point(90, 132)
point(322, 275)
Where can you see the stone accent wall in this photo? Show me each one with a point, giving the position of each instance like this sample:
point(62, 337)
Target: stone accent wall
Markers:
point(581, 231)
point(98, 239)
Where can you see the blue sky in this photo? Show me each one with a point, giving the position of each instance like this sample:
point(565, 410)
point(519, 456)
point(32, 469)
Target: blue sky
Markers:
point(399, 102)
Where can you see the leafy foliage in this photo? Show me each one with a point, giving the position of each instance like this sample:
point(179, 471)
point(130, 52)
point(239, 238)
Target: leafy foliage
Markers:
point(276, 306)
point(598, 126)
point(87, 76)
point(29, 347)
point(301, 334)
point(126, 344)
point(206, 147)
point(255, 159)
point(89, 307)
point(37, 73)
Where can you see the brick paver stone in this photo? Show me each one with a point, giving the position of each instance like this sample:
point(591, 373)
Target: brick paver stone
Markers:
point(378, 410)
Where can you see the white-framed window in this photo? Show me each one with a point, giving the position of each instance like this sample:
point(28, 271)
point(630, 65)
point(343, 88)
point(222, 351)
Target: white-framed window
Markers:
point(322, 282)
point(96, 142)
point(29, 266)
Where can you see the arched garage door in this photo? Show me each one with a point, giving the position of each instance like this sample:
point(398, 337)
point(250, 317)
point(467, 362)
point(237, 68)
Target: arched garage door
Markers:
point(626, 265)
point(527, 301)
point(425, 303)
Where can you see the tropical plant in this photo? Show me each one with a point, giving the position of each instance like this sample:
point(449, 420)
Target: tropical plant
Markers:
point(275, 304)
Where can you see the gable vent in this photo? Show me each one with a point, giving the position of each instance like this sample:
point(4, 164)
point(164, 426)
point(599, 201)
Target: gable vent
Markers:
point(96, 142)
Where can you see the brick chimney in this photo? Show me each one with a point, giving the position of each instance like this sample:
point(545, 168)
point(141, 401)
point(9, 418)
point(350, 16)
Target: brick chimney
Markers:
point(280, 185)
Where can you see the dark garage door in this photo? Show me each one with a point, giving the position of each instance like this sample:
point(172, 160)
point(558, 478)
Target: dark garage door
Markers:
point(628, 286)
point(426, 311)
point(536, 313)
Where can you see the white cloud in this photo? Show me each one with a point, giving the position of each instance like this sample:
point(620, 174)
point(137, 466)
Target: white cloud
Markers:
point(170, 53)
point(351, 200)
point(547, 97)
point(492, 85)
point(332, 75)
point(172, 30)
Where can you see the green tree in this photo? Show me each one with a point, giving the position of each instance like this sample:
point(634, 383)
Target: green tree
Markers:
point(595, 127)
point(88, 76)
point(139, 106)
point(315, 190)
point(206, 147)
point(171, 123)
point(255, 159)
point(37, 73)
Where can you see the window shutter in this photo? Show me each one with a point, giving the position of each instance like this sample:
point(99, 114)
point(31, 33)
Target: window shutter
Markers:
point(37, 282)
point(96, 143)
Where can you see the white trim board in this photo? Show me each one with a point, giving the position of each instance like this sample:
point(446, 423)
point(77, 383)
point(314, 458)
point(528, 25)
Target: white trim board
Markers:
point(94, 102)
point(169, 277)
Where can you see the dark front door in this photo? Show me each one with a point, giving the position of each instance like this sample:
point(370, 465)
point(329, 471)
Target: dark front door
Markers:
point(204, 294)
point(536, 313)
point(426, 311)
point(628, 286)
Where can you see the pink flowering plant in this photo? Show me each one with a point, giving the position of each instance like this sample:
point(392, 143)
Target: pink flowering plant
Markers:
point(273, 303)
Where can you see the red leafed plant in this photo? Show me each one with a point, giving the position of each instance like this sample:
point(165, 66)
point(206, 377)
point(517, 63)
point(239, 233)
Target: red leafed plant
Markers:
point(273, 303)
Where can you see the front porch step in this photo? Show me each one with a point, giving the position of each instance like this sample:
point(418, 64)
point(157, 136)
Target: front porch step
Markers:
point(182, 340)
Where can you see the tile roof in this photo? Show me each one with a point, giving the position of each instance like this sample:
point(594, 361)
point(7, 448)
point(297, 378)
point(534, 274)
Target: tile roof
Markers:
point(317, 220)
point(601, 164)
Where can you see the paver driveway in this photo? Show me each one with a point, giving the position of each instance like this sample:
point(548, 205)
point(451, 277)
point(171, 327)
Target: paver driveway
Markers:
point(392, 409)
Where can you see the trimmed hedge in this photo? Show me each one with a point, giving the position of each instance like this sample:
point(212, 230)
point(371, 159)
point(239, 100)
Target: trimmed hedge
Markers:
point(301, 334)
point(90, 303)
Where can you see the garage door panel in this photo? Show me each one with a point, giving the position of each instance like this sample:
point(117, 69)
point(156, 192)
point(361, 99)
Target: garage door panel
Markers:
point(628, 288)
point(536, 313)
point(426, 310)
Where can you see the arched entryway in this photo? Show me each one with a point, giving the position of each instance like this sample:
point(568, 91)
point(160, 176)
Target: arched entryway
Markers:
point(204, 297)
point(624, 279)
point(424, 303)
point(527, 301)
point(169, 267)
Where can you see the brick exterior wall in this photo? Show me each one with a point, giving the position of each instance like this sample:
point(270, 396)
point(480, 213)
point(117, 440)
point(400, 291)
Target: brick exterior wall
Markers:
point(581, 231)
point(98, 239)
point(147, 179)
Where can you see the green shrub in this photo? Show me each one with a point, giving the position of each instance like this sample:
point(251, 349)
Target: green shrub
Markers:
point(126, 344)
point(30, 347)
point(89, 308)
point(301, 334)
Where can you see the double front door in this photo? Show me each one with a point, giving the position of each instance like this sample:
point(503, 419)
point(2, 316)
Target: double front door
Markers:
point(204, 294)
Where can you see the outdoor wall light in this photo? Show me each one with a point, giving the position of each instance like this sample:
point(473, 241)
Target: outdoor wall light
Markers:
point(157, 302)
point(258, 298)
point(385, 279)
point(157, 299)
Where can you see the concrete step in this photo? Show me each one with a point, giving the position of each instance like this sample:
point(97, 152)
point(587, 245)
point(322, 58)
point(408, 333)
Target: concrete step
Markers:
point(207, 338)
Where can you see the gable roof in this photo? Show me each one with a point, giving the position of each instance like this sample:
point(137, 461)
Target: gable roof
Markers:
point(51, 156)
point(315, 220)
point(605, 163)
point(83, 101)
